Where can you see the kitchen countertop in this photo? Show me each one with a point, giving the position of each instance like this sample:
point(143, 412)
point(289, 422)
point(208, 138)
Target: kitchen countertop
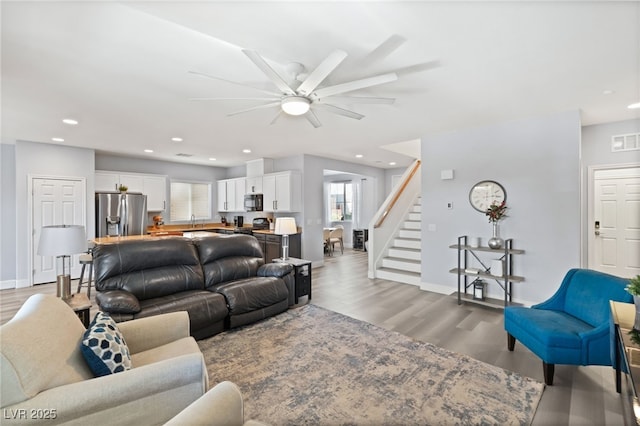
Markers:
point(169, 231)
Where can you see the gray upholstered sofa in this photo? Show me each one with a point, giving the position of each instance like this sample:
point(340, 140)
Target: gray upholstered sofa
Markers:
point(221, 281)
point(46, 380)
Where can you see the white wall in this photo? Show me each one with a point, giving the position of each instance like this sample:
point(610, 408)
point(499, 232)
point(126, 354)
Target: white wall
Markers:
point(45, 159)
point(537, 161)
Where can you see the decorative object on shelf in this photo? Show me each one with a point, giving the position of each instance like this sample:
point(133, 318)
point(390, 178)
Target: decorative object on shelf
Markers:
point(285, 226)
point(497, 268)
point(485, 193)
point(157, 222)
point(495, 212)
point(633, 288)
point(62, 241)
point(123, 188)
point(478, 289)
point(474, 242)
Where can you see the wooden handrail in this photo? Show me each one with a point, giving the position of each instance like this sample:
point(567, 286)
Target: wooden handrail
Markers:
point(416, 165)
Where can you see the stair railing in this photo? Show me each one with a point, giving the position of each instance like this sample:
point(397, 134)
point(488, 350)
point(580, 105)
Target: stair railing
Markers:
point(388, 219)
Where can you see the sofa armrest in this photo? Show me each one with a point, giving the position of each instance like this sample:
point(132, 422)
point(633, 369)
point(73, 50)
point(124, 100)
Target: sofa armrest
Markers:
point(222, 405)
point(151, 394)
point(147, 333)
point(274, 270)
point(118, 301)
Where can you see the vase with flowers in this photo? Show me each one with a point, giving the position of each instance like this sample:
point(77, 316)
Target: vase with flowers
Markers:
point(495, 212)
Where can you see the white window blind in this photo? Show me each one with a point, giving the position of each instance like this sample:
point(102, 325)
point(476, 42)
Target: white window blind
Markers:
point(190, 199)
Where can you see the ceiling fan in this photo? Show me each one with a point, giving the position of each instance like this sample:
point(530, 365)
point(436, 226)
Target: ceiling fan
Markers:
point(305, 93)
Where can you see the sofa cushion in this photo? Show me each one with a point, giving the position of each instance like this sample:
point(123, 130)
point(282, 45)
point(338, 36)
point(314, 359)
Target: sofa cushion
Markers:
point(148, 268)
point(229, 258)
point(40, 349)
point(104, 347)
point(251, 294)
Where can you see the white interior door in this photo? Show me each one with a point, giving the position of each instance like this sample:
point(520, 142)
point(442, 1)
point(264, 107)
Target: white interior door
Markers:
point(614, 240)
point(55, 202)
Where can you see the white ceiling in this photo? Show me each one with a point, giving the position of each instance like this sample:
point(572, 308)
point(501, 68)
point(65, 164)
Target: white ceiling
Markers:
point(121, 69)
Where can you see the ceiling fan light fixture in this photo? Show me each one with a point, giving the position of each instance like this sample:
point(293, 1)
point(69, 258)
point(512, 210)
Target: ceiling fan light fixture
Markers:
point(295, 105)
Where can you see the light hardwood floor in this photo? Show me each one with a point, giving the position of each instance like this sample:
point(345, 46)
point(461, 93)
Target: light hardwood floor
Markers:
point(579, 396)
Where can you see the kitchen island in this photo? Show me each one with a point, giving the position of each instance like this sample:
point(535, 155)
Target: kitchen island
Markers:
point(270, 242)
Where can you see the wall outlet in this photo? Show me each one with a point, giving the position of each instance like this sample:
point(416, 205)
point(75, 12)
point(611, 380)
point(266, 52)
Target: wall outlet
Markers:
point(431, 227)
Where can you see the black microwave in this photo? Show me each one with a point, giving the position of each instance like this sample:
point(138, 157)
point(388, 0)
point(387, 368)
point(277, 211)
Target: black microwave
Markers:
point(253, 202)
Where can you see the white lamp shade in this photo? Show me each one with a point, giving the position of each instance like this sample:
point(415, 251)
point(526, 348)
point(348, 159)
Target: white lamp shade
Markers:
point(61, 240)
point(285, 226)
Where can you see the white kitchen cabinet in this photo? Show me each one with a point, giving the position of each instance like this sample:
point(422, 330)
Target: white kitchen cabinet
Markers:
point(254, 185)
point(241, 189)
point(134, 183)
point(153, 186)
point(226, 195)
point(106, 181)
point(282, 192)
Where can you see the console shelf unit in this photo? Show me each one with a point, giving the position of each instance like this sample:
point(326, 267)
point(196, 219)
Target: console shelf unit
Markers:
point(505, 280)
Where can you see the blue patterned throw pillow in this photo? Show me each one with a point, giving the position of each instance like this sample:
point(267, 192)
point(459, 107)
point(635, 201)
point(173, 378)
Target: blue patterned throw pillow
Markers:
point(104, 348)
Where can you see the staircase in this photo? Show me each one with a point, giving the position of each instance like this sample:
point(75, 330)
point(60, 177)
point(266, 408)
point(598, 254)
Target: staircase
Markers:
point(402, 262)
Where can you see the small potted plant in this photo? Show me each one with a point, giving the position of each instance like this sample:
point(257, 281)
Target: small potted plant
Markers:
point(634, 289)
point(123, 188)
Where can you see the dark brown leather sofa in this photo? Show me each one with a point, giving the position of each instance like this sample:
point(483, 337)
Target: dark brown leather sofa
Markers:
point(221, 281)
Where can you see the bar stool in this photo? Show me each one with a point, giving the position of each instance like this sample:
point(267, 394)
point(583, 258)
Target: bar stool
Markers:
point(86, 259)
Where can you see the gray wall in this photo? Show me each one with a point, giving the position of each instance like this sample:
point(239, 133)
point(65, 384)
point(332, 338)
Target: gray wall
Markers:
point(7, 216)
point(313, 190)
point(596, 151)
point(537, 161)
point(45, 159)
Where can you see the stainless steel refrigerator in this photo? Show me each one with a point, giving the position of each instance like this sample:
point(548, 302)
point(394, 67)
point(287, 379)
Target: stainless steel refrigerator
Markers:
point(120, 214)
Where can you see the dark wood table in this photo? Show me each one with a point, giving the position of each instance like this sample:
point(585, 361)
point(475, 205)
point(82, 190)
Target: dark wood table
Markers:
point(81, 305)
point(302, 274)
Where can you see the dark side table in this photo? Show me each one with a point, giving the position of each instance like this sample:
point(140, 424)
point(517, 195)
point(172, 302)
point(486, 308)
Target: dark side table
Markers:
point(81, 305)
point(302, 274)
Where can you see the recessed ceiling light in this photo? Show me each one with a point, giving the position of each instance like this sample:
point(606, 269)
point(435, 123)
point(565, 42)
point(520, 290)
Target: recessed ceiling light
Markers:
point(608, 92)
point(212, 159)
point(148, 150)
point(57, 139)
point(70, 121)
point(393, 163)
point(359, 155)
point(246, 151)
point(176, 139)
point(634, 106)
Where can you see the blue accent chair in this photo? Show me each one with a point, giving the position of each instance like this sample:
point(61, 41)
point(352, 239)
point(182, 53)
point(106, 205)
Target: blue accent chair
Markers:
point(572, 327)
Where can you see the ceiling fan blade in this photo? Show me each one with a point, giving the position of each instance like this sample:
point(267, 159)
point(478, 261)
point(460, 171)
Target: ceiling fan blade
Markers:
point(276, 117)
point(232, 99)
point(341, 111)
point(269, 105)
point(233, 82)
point(270, 72)
point(356, 100)
point(424, 66)
point(386, 48)
point(313, 119)
point(355, 85)
point(321, 72)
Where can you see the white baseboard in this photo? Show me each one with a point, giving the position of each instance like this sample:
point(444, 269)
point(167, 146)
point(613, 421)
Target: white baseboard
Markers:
point(7, 284)
point(437, 288)
point(22, 283)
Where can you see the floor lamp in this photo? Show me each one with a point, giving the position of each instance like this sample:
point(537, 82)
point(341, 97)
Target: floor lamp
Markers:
point(62, 241)
point(285, 226)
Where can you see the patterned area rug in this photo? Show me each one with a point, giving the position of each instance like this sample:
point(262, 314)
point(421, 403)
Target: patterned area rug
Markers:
point(314, 366)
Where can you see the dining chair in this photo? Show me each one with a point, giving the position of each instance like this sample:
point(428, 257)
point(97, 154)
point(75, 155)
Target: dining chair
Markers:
point(325, 239)
point(335, 236)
